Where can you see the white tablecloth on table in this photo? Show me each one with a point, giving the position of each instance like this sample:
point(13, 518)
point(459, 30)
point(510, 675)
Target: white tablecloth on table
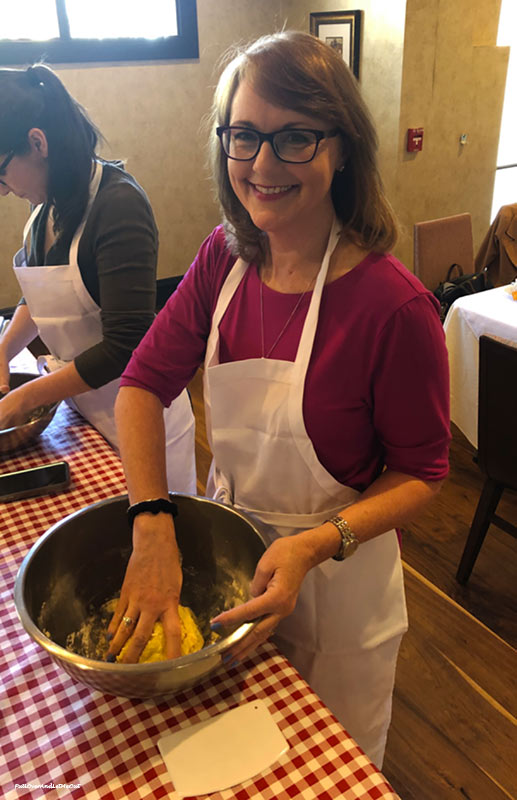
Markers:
point(494, 313)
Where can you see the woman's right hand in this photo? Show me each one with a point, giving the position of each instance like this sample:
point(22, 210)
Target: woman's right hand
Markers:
point(16, 406)
point(151, 590)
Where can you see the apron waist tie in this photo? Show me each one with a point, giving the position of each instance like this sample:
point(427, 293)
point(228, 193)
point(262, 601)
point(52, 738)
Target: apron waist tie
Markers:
point(278, 519)
point(301, 521)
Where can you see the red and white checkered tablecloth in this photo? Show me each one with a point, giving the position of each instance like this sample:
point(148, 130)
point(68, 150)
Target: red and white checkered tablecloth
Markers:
point(59, 738)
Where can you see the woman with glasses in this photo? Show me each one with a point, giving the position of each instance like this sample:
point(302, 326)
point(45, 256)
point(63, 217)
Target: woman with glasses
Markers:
point(325, 379)
point(87, 267)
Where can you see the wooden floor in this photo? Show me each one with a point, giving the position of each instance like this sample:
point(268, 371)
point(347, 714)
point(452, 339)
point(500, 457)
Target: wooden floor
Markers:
point(454, 729)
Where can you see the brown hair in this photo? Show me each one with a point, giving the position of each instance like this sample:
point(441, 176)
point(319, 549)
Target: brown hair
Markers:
point(297, 71)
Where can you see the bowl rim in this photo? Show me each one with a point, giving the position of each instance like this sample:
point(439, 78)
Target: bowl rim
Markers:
point(51, 410)
point(27, 425)
point(86, 664)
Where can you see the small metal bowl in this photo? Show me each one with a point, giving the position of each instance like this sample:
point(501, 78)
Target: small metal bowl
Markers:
point(21, 435)
point(80, 563)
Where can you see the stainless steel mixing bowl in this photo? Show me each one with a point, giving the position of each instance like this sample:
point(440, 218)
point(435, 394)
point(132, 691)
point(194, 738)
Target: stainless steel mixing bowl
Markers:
point(21, 435)
point(80, 562)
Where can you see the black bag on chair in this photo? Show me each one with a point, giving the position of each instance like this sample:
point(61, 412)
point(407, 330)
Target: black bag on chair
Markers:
point(451, 288)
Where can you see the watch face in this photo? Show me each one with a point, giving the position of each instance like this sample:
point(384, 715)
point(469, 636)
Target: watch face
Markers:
point(350, 545)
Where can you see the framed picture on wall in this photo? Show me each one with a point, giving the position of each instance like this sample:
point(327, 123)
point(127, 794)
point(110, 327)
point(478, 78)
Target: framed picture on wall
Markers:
point(341, 30)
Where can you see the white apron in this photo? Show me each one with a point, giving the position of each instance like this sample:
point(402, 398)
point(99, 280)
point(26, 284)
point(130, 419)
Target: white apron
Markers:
point(69, 322)
point(344, 634)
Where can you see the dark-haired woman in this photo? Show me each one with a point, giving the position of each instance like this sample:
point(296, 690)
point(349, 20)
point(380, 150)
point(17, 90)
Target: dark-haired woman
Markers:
point(87, 268)
point(326, 384)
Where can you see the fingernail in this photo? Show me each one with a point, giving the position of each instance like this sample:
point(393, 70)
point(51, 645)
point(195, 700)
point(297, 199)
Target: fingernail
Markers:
point(227, 657)
point(235, 663)
point(109, 637)
point(215, 626)
point(110, 658)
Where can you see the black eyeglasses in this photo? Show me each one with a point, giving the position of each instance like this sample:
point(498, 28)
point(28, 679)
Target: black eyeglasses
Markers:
point(7, 160)
point(293, 145)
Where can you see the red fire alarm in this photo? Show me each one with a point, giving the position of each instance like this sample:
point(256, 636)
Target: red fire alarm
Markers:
point(415, 137)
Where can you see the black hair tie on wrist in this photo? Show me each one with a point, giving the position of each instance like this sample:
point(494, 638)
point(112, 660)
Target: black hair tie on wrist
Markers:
point(151, 507)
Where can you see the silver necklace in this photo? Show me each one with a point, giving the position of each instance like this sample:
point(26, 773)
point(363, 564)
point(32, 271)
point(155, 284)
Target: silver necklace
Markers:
point(290, 317)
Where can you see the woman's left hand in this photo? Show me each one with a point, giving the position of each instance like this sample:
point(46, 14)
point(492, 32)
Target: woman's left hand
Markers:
point(275, 587)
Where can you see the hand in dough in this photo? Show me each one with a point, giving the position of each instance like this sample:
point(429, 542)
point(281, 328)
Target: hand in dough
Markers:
point(191, 639)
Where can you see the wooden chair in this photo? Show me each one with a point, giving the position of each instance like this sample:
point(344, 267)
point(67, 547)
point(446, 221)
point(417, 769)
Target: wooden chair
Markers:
point(497, 443)
point(439, 243)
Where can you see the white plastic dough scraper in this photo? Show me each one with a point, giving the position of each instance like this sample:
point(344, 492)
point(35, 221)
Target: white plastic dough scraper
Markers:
point(224, 750)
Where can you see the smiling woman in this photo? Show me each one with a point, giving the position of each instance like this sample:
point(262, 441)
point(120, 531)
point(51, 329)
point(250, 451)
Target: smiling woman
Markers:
point(325, 384)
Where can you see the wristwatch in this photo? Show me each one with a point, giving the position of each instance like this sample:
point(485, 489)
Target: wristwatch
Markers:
point(349, 541)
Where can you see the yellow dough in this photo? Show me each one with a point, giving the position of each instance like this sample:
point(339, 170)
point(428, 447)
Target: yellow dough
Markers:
point(191, 639)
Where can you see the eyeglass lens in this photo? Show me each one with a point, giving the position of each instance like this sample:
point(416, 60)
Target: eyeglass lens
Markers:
point(289, 145)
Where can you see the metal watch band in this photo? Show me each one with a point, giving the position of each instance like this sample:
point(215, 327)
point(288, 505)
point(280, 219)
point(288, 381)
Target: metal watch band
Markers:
point(349, 541)
point(151, 507)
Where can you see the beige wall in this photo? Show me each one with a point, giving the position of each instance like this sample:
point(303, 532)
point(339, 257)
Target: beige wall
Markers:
point(453, 83)
point(424, 62)
point(430, 63)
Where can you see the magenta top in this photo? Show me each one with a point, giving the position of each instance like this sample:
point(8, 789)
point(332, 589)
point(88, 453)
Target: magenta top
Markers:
point(377, 387)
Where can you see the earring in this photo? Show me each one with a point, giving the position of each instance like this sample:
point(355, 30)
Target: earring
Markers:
point(341, 168)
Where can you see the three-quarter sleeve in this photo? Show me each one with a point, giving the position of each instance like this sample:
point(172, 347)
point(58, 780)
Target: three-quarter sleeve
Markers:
point(117, 257)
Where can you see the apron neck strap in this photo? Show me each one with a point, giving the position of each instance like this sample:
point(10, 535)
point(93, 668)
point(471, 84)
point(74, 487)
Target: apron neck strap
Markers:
point(309, 328)
point(94, 188)
point(229, 288)
point(311, 320)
